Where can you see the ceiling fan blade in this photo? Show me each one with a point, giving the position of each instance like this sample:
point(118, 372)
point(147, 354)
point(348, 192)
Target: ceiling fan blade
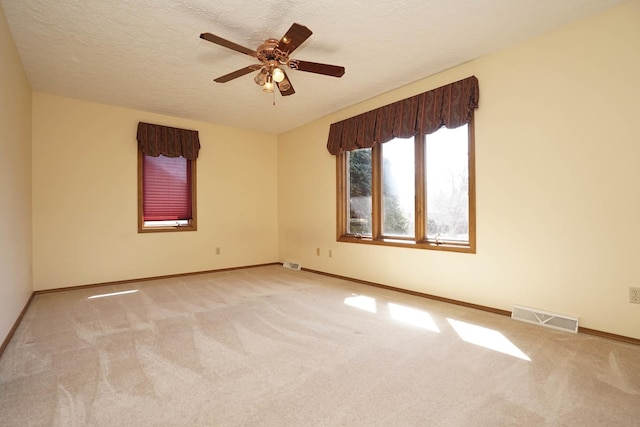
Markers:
point(238, 73)
point(295, 36)
point(285, 87)
point(226, 43)
point(314, 67)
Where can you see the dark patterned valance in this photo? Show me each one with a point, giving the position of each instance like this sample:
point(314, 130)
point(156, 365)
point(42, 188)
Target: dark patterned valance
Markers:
point(451, 106)
point(155, 140)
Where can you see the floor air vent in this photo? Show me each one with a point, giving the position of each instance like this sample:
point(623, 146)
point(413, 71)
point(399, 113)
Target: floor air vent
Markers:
point(292, 265)
point(545, 318)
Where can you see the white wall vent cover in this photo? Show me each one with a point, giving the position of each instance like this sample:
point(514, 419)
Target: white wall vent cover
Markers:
point(545, 318)
point(292, 265)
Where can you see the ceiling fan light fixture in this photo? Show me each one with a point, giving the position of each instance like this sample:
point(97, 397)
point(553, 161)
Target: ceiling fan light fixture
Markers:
point(278, 75)
point(284, 86)
point(261, 77)
point(268, 85)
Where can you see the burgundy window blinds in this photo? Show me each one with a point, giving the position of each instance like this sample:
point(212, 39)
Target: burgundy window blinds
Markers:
point(166, 188)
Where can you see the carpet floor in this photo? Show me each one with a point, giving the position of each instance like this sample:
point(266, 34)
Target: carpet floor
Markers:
point(268, 346)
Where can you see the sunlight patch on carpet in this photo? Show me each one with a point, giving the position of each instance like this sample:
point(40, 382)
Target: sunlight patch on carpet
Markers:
point(413, 316)
point(113, 294)
point(487, 338)
point(362, 302)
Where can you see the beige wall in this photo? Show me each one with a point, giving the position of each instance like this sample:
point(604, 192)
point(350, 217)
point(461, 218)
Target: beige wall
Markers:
point(15, 183)
point(85, 198)
point(558, 182)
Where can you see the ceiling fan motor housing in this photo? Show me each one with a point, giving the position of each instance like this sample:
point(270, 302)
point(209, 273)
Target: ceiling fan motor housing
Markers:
point(268, 51)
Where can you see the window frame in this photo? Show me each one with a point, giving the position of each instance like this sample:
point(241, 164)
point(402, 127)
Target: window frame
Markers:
point(419, 241)
point(192, 224)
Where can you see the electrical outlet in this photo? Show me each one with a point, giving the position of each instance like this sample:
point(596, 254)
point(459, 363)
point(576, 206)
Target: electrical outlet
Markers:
point(634, 295)
point(217, 251)
point(330, 253)
point(318, 251)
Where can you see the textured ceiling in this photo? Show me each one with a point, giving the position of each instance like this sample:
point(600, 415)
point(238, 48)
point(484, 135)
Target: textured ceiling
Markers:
point(147, 54)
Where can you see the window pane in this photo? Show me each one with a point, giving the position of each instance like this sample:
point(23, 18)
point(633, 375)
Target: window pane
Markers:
point(166, 189)
point(359, 197)
point(447, 163)
point(398, 188)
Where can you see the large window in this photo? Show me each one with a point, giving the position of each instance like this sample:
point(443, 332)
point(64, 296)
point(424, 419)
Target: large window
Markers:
point(166, 193)
point(416, 192)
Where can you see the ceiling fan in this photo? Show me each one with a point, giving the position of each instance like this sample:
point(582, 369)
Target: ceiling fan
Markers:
point(273, 55)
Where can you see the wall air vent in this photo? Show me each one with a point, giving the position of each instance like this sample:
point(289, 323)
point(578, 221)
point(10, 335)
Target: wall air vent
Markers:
point(545, 318)
point(292, 265)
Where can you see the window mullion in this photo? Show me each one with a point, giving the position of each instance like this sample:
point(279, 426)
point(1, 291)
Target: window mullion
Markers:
point(376, 191)
point(472, 184)
point(192, 174)
point(420, 197)
point(342, 194)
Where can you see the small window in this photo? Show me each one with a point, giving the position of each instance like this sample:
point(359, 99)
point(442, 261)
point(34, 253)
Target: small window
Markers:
point(415, 192)
point(166, 193)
